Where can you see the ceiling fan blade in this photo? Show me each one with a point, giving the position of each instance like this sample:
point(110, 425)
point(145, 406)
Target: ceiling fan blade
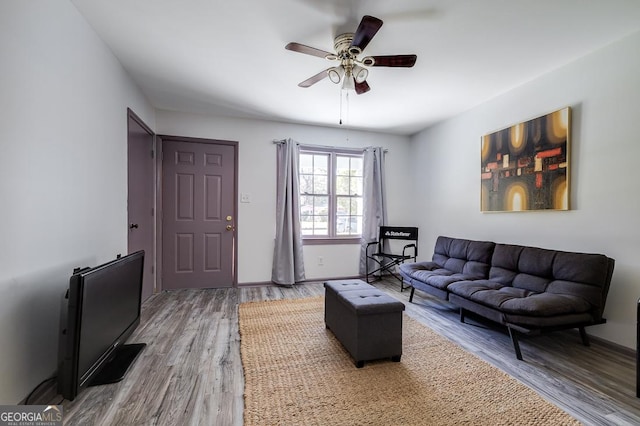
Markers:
point(301, 48)
point(362, 87)
point(368, 27)
point(316, 78)
point(394, 61)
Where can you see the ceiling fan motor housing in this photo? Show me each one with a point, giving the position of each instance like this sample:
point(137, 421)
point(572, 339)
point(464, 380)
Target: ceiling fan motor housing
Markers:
point(347, 54)
point(342, 43)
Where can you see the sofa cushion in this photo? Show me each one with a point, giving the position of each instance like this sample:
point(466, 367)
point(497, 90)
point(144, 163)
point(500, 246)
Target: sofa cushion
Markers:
point(577, 275)
point(519, 301)
point(504, 264)
point(545, 305)
point(453, 260)
point(463, 256)
point(443, 281)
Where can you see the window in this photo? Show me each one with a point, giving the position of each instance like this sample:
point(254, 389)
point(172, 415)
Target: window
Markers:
point(331, 186)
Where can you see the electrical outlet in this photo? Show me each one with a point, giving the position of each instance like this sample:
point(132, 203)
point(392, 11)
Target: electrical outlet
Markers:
point(320, 261)
point(245, 198)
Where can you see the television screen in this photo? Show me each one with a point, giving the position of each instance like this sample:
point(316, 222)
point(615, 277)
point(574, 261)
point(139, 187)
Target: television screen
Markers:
point(103, 310)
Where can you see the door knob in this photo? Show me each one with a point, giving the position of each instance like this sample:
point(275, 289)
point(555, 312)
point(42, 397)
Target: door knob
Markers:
point(229, 227)
point(133, 226)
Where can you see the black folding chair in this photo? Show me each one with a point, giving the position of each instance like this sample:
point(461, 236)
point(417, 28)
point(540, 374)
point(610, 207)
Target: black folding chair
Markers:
point(382, 251)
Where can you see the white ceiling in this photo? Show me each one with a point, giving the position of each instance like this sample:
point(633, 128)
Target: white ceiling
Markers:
point(227, 57)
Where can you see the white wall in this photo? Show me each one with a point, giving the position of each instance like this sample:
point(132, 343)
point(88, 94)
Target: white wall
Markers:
point(257, 177)
point(63, 180)
point(603, 89)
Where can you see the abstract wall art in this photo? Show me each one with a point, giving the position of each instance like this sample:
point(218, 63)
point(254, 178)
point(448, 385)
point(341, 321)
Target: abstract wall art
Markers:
point(526, 166)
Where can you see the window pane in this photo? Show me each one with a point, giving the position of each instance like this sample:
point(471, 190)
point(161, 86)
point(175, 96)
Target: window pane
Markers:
point(320, 164)
point(348, 225)
point(320, 185)
point(342, 185)
point(342, 166)
point(321, 205)
point(306, 163)
point(343, 206)
point(357, 230)
point(356, 166)
point(306, 224)
point(320, 225)
point(306, 204)
point(355, 186)
point(356, 206)
point(306, 184)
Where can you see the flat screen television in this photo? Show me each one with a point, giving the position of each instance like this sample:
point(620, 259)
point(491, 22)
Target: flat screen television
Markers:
point(102, 310)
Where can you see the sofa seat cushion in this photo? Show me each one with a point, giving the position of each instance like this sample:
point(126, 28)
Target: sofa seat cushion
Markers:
point(433, 274)
point(519, 301)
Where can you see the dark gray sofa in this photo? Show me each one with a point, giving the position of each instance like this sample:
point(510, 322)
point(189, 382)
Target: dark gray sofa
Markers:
point(527, 289)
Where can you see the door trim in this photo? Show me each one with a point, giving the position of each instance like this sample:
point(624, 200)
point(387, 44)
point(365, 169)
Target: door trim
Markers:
point(160, 139)
point(152, 257)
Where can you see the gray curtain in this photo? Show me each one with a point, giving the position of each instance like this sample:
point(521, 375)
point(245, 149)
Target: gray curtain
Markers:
point(375, 211)
point(288, 265)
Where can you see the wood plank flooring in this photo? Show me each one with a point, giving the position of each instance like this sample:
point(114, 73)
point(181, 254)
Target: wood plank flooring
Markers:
point(191, 372)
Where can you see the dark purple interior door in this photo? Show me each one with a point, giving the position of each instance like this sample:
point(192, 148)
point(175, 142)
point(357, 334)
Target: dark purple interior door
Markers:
point(140, 197)
point(198, 214)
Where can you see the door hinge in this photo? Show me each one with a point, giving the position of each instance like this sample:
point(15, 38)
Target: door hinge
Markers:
point(152, 153)
point(152, 211)
point(152, 269)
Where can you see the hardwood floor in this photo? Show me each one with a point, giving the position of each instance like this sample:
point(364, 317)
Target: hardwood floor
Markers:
point(191, 372)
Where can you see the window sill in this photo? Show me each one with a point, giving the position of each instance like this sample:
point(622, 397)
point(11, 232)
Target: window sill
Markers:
point(330, 241)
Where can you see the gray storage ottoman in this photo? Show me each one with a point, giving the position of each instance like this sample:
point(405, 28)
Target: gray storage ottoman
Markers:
point(367, 321)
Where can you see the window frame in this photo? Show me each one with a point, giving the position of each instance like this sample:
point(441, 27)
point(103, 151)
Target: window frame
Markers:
point(333, 153)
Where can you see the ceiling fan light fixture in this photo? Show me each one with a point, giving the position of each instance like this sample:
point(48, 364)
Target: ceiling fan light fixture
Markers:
point(360, 74)
point(348, 83)
point(335, 74)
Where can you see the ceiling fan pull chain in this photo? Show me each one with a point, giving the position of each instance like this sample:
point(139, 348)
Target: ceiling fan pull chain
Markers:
point(347, 100)
point(340, 92)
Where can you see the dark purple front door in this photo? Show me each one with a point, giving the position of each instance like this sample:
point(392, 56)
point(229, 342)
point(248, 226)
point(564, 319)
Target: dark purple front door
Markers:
point(198, 210)
point(140, 197)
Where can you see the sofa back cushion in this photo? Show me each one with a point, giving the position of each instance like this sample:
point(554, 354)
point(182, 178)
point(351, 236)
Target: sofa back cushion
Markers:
point(540, 270)
point(587, 274)
point(468, 257)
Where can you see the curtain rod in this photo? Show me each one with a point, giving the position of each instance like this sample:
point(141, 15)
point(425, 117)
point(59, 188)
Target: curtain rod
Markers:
point(279, 141)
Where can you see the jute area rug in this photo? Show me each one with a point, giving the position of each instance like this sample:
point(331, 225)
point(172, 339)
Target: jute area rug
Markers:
point(297, 373)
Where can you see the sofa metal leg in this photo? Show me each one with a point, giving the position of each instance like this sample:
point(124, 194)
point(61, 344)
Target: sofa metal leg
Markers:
point(516, 344)
point(461, 315)
point(413, 289)
point(584, 336)
point(359, 364)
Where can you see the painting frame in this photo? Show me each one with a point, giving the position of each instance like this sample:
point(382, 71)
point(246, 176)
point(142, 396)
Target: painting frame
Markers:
point(526, 166)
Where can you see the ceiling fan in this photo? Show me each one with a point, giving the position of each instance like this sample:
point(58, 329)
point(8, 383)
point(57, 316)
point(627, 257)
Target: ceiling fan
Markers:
point(352, 71)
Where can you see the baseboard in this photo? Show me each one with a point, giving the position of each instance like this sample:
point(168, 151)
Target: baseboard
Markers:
point(315, 280)
point(257, 284)
point(613, 346)
point(44, 394)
